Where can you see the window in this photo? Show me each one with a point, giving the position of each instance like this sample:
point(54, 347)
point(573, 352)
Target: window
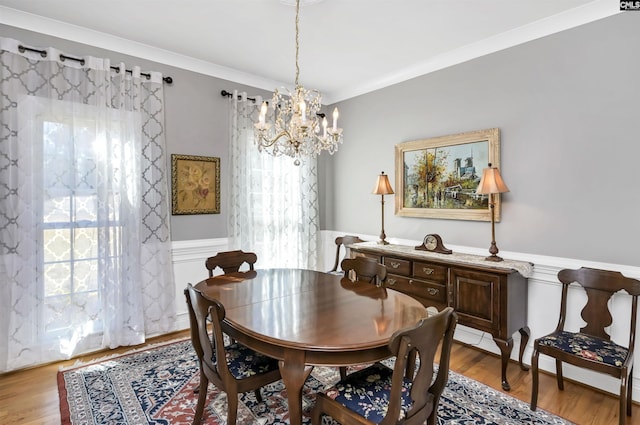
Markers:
point(75, 223)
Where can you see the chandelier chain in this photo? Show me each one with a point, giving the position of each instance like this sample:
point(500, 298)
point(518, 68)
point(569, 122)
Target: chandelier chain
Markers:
point(297, 41)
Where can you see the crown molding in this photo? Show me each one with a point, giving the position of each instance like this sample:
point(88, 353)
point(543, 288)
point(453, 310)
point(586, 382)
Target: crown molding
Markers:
point(54, 28)
point(590, 12)
point(572, 18)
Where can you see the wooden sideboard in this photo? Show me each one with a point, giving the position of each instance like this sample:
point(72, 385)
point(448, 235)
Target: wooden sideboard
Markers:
point(488, 296)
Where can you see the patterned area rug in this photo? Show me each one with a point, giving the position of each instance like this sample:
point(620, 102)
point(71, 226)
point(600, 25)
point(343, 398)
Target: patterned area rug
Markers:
point(155, 386)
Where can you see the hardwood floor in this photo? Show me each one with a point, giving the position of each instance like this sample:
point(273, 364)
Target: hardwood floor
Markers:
point(30, 397)
point(578, 403)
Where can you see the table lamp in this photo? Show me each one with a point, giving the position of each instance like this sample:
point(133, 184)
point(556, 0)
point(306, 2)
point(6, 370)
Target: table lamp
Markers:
point(492, 183)
point(383, 187)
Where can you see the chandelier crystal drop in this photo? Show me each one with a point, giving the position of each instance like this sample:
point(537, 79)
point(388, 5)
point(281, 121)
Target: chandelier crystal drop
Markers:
point(296, 130)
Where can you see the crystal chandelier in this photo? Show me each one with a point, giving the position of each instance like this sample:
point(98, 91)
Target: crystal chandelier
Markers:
point(296, 130)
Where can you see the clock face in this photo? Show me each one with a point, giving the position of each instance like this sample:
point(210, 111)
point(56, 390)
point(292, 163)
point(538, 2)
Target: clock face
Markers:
point(430, 242)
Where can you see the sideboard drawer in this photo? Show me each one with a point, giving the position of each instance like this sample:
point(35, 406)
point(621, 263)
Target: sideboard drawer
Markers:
point(419, 288)
point(397, 266)
point(367, 255)
point(430, 271)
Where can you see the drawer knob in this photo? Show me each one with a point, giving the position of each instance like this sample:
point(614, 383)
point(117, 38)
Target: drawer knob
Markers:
point(391, 281)
point(433, 291)
point(394, 264)
point(428, 270)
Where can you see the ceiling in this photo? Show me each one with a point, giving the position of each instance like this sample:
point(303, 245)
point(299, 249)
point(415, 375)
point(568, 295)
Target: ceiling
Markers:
point(347, 47)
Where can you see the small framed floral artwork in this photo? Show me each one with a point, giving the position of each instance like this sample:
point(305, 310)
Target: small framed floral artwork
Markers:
point(195, 184)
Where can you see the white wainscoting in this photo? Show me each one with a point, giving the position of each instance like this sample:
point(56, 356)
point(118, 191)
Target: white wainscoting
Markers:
point(188, 267)
point(543, 303)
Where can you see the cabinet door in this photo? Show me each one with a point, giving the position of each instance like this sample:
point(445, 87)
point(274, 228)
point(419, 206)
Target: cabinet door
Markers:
point(476, 299)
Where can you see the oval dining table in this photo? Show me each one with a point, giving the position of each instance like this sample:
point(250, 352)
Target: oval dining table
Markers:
point(306, 318)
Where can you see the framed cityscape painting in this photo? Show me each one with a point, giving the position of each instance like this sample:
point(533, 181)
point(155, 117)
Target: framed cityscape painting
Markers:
point(438, 177)
point(195, 184)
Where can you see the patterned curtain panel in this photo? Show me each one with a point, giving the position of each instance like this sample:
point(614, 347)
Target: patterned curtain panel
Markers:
point(85, 260)
point(273, 204)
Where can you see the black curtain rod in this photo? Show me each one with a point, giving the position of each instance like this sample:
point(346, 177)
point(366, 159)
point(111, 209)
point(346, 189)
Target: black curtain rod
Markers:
point(225, 93)
point(43, 53)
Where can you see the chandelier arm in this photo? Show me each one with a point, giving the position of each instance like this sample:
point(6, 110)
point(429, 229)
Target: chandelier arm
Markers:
point(272, 141)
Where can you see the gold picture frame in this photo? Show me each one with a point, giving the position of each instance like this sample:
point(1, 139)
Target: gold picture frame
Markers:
point(437, 177)
point(195, 184)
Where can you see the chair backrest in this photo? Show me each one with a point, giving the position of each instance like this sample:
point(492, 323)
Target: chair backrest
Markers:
point(340, 241)
point(424, 337)
point(365, 290)
point(208, 347)
point(599, 285)
point(366, 269)
point(230, 261)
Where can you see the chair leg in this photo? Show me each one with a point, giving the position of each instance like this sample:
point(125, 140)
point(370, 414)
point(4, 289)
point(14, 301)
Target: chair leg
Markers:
point(202, 397)
point(559, 375)
point(232, 408)
point(625, 392)
point(343, 372)
point(316, 412)
point(534, 379)
point(623, 406)
point(433, 417)
point(258, 395)
point(197, 389)
point(630, 392)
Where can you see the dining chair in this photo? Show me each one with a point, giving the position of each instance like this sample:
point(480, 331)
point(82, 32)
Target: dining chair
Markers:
point(381, 395)
point(241, 371)
point(230, 261)
point(365, 268)
point(591, 347)
point(340, 242)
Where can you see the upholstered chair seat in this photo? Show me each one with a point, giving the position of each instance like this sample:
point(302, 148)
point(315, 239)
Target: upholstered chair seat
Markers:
point(243, 362)
point(586, 346)
point(367, 391)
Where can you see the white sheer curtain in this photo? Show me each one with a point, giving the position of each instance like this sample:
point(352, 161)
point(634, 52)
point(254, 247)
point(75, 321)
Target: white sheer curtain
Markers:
point(85, 260)
point(273, 204)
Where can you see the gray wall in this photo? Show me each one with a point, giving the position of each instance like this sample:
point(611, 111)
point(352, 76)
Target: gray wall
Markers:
point(195, 121)
point(568, 108)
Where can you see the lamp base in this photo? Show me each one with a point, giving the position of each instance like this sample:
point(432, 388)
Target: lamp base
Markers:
point(494, 258)
point(383, 242)
point(493, 249)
